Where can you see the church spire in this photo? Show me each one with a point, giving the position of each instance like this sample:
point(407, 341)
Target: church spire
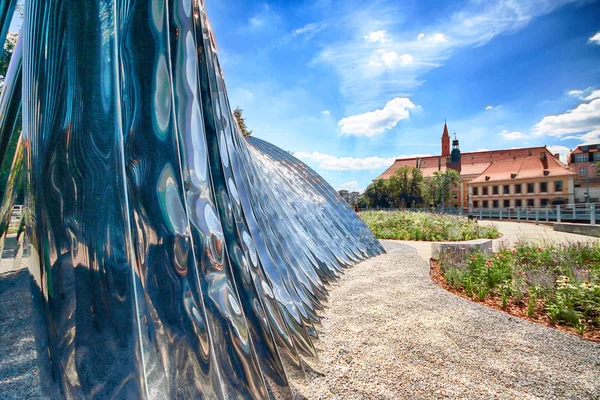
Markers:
point(445, 141)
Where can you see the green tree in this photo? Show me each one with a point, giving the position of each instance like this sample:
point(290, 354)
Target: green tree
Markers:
point(9, 48)
point(237, 113)
point(438, 188)
point(377, 194)
point(405, 187)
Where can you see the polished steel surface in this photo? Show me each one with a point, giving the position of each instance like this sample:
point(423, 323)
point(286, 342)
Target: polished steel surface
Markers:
point(170, 256)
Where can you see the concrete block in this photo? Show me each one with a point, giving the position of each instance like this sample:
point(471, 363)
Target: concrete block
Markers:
point(579, 229)
point(468, 246)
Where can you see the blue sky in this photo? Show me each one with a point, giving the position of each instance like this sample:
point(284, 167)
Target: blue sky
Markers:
point(350, 85)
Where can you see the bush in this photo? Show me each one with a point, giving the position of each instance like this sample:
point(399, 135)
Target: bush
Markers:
point(407, 225)
point(560, 280)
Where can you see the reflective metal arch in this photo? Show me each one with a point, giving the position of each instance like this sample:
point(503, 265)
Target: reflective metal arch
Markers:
point(170, 256)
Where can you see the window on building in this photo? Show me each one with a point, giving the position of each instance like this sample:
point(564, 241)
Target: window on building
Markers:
point(530, 188)
point(558, 186)
point(475, 204)
point(529, 202)
point(506, 203)
point(544, 187)
point(518, 202)
point(496, 203)
point(582, 171)
point(544, 202)
point(494, 189)
point(518, 188)
point(485, 204)
point(485, 190)
point(583, 157)
point(597, 156)
point(505, 189)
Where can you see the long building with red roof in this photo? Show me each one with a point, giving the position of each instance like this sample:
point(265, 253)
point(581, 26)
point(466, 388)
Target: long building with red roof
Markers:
point(523, 177)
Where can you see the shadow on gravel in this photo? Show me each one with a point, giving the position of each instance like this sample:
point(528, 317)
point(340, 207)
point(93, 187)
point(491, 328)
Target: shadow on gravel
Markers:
point(18, 366)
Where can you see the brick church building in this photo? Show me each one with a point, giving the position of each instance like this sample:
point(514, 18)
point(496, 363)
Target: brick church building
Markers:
point(525, 177)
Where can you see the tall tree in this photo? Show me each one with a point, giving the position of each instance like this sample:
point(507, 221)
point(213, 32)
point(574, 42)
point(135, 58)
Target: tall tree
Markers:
point(237, 113)
point(9, 47)
point(377, 194)
point(438, 190)
point(7, 52)
point(405, 187)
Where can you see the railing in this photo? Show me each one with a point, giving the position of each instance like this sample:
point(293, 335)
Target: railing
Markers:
point(582, 213)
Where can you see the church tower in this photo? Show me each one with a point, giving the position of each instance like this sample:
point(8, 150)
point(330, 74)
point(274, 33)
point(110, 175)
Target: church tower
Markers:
point(445, 142)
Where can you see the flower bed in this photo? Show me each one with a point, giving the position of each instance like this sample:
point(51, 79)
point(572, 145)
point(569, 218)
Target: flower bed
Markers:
point(406, 225)
point(557, 284)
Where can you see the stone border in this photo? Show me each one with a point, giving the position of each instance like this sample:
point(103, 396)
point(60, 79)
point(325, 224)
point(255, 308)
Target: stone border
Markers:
point(579, 229)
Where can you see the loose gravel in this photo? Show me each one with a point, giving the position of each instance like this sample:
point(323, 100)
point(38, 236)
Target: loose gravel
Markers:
point(388, 332)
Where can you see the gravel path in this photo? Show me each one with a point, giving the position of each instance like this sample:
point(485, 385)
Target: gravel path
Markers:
point(390, 333)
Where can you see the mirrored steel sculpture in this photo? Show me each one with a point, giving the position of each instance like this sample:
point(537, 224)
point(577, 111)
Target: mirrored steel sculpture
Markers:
point(171, 257)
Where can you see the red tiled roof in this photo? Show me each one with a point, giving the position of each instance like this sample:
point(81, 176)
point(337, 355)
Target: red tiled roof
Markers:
point(473, 163)
point(523, 168)
point(427, 164)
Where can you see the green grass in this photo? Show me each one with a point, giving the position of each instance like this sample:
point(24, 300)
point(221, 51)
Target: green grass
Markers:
point(407, 225)
point(561, 281)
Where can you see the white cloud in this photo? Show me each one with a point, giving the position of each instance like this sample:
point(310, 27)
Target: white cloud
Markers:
point(489, 107)
point(592, 137)
point(329, 162)
point(435, 38)
point(595, 39)
point(582, 119)
point(562, 151)
point(473, 24)
point(326, 112)
point(377, 37)
point(374, 122)
point(347, 186)
point(391, 58)
point(594, 95)
point(481, 150)
point(575, 93)
point(308, 30)
point(515, 135)
point(256, 22)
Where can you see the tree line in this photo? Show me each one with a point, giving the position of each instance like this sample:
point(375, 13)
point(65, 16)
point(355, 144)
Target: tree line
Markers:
point(409, 188)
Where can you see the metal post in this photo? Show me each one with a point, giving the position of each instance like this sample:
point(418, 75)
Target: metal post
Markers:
point(500, 214)
point(587, 184)
point(480, 214)
point(593, 214)
point(537, 216)
point(574, 211)
point(546, 212)
point(558, 213)
point(519, 214)
point(509, 214)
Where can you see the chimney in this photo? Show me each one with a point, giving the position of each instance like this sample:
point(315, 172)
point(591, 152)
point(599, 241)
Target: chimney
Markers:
point(439, 164)
point(544, 159)
point(557, 156)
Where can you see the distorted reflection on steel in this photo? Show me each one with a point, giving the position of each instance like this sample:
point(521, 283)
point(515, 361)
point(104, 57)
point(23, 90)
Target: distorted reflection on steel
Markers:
point(171, 257)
